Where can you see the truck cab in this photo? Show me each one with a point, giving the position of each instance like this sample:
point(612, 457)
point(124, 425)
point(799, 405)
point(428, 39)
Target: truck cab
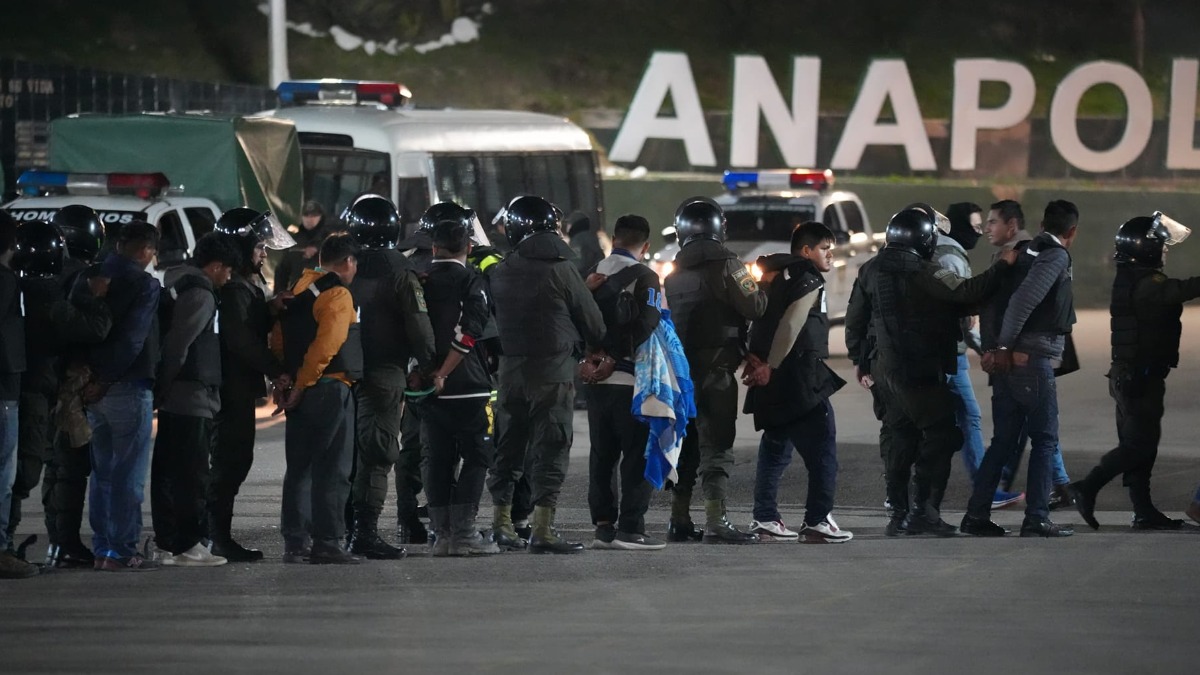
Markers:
point(118, 199)
point(360, 137)
point(763, 207)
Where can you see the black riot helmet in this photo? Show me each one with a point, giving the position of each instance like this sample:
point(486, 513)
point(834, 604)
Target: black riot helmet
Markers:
point(528, 215)
point(82, 229)
point(699, 218)
point(913, 229)
point(1142, 240)
point(40, 250)
point(447, 211)
point(251, 228)
point(373, 222)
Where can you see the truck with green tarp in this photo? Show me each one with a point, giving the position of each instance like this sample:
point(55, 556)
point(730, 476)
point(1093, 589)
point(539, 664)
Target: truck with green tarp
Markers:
point(230, 159)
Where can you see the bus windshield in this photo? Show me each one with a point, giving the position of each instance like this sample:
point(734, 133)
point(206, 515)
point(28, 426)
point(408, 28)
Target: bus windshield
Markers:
point(335, 176)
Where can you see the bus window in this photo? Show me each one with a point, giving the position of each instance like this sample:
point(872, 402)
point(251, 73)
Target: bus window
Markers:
point(335, 176)
point(412, 199)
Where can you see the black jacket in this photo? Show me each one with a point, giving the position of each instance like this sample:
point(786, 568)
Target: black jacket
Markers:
point(246, 356)
point(458, 311)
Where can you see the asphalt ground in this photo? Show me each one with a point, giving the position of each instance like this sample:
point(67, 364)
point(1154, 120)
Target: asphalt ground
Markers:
point(1113, 601)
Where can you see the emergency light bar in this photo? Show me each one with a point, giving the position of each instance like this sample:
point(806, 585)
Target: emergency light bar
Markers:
point(35, 183)
point(796, 178)
point(343, 92)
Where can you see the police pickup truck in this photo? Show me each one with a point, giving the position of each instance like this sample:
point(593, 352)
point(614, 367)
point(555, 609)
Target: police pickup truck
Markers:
point(119, 198)
point(763, 207)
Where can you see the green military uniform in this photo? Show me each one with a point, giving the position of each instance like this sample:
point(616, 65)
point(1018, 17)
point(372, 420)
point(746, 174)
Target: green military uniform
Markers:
point(712, 297)
point(542, 310)
point(395, 328)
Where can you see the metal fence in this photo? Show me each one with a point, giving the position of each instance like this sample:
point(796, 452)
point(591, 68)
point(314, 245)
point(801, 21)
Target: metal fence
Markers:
point(32, 94)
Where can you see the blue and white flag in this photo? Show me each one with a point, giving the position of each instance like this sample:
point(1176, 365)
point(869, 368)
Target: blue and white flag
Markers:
point(663, 398)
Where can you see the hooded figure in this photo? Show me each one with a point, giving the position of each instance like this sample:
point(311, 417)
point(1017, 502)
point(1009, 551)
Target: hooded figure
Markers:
point(964, 228)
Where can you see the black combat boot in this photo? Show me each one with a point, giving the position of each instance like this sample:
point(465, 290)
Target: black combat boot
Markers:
point(70, 555)
point(1146, 516)
point(411, 531)
point(366, 542)
point(924, 517)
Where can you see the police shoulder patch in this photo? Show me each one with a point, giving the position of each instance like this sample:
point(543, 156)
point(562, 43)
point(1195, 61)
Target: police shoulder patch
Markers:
point(745, 282)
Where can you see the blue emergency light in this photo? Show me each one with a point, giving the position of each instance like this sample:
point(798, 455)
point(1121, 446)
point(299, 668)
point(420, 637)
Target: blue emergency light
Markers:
point(345, 92)
point(35, 182)
point(814, 179)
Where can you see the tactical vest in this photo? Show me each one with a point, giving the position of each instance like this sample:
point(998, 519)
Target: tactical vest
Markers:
point(702, 318)
point(12, 329)
point(916, 334)
point(203, 362)
point(531, 320)
point(300, 329)
point(1144, 335)
point(384, 340)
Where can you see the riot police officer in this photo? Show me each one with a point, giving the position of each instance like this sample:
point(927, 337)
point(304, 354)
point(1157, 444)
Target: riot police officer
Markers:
point(914, 307)
point(542, 309)
point(1146, 309)
point(246, 320)
point(64, 480)
point(52, 325)
point(712, 298)
point(395, 328)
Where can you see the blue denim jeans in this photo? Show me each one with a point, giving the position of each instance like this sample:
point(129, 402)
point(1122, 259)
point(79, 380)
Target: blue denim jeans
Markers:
point(967, 414)
point(8, 464)
point(121, 428)
point(814, 437)
point(1024, 398)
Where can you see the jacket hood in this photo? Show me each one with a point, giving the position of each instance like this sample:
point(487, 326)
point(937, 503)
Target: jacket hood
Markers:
point(178, 272)
point(308, 278)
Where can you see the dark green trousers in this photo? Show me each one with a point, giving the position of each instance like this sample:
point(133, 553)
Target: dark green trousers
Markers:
point(232, 457)
point(33, 450)
point(708, 447)
point(64, 486)
point(533, 419)
point(376, 442)
point(410, 465)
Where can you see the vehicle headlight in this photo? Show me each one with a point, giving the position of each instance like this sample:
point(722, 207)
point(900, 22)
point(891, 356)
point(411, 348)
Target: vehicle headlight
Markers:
point(666, 269)
point(755, 271)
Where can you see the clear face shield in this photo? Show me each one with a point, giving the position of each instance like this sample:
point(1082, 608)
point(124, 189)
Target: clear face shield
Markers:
point(943, 222)
point(272, 233)
point(478, 236)
point(1170, 230)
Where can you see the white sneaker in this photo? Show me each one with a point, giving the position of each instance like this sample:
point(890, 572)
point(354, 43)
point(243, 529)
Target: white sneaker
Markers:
point(198, 556)
point(772, 530)
point(825, 532)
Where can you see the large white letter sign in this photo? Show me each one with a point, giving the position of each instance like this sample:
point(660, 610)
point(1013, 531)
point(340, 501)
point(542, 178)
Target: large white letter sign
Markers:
point(886, 78)
point(796, 131)
point(669, 74)
point(969, 118)
point(1181, 131)
point(1138, 124)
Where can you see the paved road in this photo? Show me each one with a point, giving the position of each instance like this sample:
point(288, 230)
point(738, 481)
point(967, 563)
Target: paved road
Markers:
point(1110, 601)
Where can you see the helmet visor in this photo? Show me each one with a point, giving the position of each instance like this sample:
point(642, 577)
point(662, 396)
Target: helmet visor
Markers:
point(1174, 230)
point(478, 236)
point(943, 222)
point(272, 232)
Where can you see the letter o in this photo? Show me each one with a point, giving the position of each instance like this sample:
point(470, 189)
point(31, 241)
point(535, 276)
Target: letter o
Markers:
point(1139, 122)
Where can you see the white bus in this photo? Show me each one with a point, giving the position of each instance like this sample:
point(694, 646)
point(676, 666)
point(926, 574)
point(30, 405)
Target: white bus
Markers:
point(361, 136)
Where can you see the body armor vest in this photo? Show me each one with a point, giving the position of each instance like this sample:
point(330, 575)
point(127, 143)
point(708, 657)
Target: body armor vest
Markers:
point(300, 329)
point(531, 320)
point(917, 335)
point(702, 317)
point(1144, 335)
point(384, 340)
